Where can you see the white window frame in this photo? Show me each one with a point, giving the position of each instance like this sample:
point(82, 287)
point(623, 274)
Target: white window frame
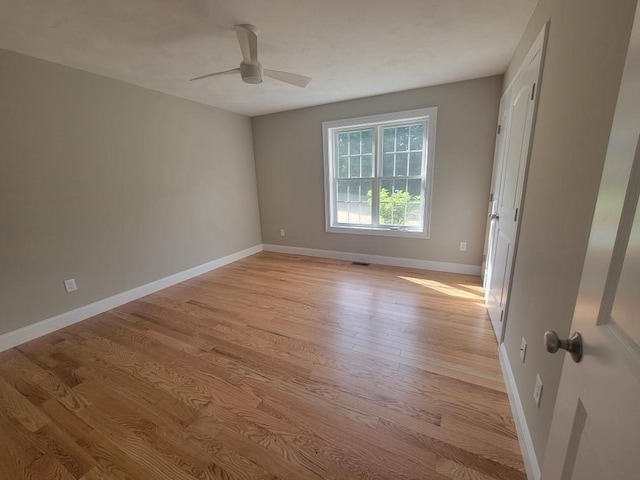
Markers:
point(329, 131)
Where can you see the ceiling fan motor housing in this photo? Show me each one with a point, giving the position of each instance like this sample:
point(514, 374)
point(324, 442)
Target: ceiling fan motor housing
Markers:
point(251, 73)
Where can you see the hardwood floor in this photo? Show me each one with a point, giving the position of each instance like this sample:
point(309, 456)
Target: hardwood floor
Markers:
point(272, 367)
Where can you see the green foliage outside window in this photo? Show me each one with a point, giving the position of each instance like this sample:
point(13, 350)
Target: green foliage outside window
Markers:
point(395, 206)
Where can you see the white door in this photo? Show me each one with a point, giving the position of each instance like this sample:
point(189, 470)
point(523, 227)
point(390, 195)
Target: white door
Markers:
point(522, 96)
point(595, 433)
point(496, 187)
point(496, 180)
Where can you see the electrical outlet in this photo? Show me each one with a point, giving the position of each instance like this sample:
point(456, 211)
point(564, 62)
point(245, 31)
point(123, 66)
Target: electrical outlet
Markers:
point(523, 349)
point(463, 246)
point(537, 390)
point(70, 285)
point(282, 232)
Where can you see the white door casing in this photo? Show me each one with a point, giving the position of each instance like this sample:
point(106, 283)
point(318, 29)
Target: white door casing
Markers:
point(595, 432)
point(510, 166)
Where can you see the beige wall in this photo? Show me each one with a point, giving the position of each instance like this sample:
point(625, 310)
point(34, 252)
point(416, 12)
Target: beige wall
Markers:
point(584, 61)
point(113, 185)
point(289, 165)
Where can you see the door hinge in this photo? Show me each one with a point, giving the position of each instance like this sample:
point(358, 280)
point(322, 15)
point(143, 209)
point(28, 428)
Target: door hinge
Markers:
point(501, 315)
point(515, 219)
point(533, 92)
point(499, 129)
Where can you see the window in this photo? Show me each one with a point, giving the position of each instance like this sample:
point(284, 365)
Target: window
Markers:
point(378, 173)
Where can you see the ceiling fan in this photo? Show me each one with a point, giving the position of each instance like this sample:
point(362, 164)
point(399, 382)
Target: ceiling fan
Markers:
point(250, 68)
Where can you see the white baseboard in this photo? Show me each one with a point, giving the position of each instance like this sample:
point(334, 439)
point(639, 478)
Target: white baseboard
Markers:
point(524, 436)
point(31, 332)
point(379, 259)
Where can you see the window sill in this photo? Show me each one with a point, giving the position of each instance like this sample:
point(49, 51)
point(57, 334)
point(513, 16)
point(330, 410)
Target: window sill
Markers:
point(383, 232)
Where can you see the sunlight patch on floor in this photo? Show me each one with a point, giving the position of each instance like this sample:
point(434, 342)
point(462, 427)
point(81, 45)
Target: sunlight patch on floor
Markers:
point(442, 288)
point(475, 288)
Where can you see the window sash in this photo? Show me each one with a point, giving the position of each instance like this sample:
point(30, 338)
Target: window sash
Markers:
point(377, 151)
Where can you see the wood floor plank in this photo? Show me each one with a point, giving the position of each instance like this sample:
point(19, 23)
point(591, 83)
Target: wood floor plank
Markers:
point(48, 468)
point(11, 465)
point(454, 452)
point(358, 446)
point(136, 389)
point(21, 446)
point(62, 448)
point(262, 456)
point(226, 460)
point(15, 405)
point(284, 444)
point(96, 473)
point(273, 367)
point(22, 373)
point(170, 442)
point(117, 432)
point(111, 458)
point(457, 471)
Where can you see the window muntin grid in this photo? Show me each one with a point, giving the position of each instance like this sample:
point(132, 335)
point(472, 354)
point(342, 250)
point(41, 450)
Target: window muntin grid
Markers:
point(355, 176)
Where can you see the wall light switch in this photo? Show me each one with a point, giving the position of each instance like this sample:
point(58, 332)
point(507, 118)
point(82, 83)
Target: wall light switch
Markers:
point(70, 285)
point(537, 390)
point(523, 349)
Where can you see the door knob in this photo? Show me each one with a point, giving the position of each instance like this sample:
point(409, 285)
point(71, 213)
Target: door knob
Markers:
point(494, 216)
point(573, 344)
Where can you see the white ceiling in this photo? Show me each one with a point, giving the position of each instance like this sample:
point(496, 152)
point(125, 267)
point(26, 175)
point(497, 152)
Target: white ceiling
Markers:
point(351, 48)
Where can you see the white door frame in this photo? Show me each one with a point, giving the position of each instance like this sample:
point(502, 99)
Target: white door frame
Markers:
point(537, 48)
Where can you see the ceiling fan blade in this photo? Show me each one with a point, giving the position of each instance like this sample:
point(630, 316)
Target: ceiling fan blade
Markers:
point(248, 43)
point(228, 72)
point(286, 77)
